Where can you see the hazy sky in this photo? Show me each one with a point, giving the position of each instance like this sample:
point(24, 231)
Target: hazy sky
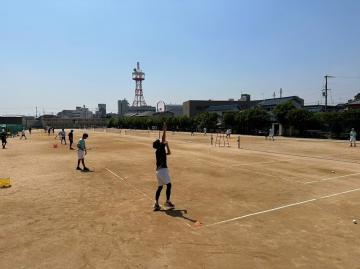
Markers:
point(60, 53)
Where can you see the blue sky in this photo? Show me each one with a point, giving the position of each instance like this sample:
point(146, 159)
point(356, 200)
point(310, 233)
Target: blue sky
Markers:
point(59, 54)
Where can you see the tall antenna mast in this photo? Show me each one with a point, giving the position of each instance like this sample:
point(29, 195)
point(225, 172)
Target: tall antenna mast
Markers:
point(138, 76)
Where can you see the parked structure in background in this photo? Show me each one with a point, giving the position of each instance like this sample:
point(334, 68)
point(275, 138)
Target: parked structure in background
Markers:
point(12, 124)
point(101, 112)
point(78, 113)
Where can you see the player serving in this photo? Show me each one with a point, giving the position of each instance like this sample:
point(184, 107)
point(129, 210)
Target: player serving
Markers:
point(162, 171)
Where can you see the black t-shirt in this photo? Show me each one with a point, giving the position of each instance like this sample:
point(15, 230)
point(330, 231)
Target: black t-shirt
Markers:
point(71, 136)
point(161, 157)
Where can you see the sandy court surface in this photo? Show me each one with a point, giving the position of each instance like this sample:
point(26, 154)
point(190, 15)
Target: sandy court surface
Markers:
point(283, 204)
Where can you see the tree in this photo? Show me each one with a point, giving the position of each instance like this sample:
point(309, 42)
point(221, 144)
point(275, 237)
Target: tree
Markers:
point(299, 119)
point(207, 120)
point(229, 119)
point(281, 112)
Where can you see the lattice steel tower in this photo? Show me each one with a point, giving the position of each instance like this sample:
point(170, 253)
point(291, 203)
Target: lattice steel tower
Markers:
point(138, 75)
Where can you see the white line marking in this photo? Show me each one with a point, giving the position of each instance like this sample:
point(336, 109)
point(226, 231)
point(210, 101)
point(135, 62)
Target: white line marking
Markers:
point(115, 174)
point(131, 186)
point(281, 207)
point(330, 178)
point(260, 163)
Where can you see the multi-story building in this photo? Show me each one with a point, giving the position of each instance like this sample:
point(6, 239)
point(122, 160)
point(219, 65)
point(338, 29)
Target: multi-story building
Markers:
point(123, 107)
point(78, 113)
point(270, 104)
point(177, 110)
point(101, 113)
point(193, 107)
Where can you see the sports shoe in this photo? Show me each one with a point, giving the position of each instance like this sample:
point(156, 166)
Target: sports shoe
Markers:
point(78, 168)
point(86, 169)
point(169, 204)
point(157, 207)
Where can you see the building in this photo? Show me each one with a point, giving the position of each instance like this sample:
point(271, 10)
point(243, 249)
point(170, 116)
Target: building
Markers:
point(12, 124)
point(321, 108)
point(270, 104)
point(353, 104)
point(177, 110)
point(140, 109)
point(123, 107)
point(193, 107)
point(78, 113)
point(101, 113)
point(224, 108)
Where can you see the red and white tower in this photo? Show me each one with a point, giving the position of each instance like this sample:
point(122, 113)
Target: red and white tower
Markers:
point(138, 75)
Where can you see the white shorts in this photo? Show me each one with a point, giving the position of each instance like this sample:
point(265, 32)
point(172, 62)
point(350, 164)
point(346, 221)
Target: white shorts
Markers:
point(352, 139)
point(81, 154)
point(163, 176)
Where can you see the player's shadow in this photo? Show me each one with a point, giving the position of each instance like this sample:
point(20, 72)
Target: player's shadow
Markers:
point(177, 213)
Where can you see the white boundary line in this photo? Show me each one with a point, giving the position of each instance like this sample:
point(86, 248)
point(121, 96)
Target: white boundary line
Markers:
point(281, 207)
point(133, 187)
point(330, 178)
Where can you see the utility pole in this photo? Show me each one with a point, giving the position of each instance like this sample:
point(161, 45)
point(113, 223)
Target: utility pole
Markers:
point(325, 91)
point(36, 113)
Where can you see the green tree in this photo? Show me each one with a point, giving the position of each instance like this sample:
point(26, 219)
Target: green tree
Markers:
point(300, 119)
point(229, 119)
point(207, 120)
point(281, 112)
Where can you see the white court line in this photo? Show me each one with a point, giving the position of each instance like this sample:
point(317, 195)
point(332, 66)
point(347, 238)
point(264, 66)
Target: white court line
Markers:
point(330, 178)
point(131, 186)
point(115, 174)
point(281, 207)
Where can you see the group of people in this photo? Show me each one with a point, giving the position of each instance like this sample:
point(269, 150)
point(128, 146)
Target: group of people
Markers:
point(162, 149)
point(62, 136)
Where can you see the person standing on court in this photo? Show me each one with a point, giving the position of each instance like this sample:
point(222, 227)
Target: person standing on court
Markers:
point(352, 137)
point(3, 136)
point(81, 147)
point(62, 135)
point(71, 138)
point(23, 134)
point(162, 171)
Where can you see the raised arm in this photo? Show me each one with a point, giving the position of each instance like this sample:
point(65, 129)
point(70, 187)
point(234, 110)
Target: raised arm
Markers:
point(163, 139)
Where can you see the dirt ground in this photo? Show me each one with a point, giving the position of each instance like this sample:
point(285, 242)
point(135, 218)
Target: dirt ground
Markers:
point(283, 204)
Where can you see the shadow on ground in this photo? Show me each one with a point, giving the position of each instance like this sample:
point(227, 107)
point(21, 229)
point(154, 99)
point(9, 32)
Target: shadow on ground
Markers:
point(177, 213)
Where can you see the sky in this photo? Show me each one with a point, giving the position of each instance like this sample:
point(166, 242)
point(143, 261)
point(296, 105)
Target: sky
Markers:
point(56, 54)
